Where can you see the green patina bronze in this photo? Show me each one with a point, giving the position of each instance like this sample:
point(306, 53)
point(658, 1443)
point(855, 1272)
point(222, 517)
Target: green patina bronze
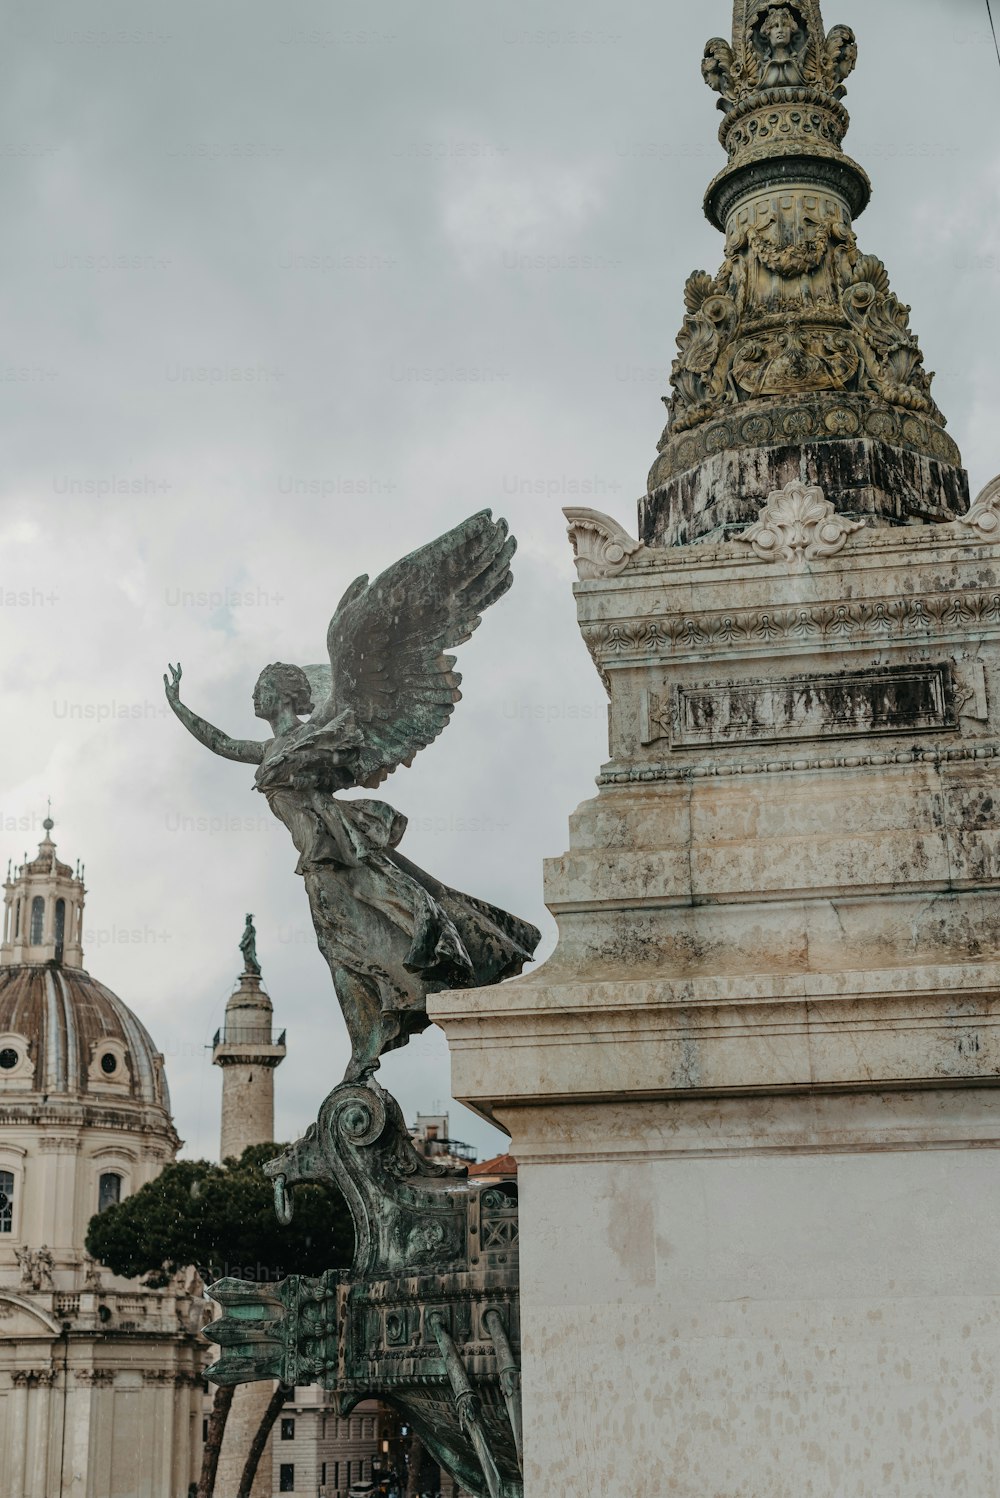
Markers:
point(427, 1316)
point(391, 933)
point(248, 946)
point(426, 1319)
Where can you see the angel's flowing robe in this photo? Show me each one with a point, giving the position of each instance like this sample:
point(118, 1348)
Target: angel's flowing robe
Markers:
point(389, 931)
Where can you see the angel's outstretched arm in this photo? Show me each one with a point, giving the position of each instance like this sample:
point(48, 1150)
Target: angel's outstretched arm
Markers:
point(247, 751)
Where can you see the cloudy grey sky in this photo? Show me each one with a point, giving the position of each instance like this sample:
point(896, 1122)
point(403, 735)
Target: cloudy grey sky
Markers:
point(286, 291)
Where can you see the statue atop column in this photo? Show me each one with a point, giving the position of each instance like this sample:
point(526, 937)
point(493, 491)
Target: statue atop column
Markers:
point(248, 946)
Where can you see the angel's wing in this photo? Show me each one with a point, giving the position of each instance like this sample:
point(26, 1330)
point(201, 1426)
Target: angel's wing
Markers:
point(387, 641)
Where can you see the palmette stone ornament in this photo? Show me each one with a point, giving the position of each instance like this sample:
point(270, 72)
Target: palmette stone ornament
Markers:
point(601, 547)
point(799, 524)
point(985, 512)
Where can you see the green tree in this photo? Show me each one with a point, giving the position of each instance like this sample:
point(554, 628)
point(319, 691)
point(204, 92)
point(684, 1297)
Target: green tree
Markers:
point(220, 1218)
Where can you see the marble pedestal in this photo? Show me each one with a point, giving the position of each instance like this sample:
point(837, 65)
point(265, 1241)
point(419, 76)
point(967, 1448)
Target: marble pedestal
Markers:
point(753, 1092)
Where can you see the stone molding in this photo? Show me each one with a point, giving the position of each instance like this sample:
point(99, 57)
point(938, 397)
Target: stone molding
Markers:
point(985, 512)
point(799, 524)
point(630, 641)
point(637, 775)
point(602, 547)
point(807, 418)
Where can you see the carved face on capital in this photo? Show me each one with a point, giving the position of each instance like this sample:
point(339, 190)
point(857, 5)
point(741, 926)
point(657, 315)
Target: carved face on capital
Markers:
point(779, 28)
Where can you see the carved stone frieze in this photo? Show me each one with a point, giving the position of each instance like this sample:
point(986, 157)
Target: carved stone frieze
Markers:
point(98, 1378)
point(844, 705)
point(799, 524)
point(628, 640)
point(985, 512)
point(601, 547)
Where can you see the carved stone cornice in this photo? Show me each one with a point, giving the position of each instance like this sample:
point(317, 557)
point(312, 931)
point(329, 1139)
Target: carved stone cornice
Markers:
point(799, 524)
point(917, 755)
point(628, 641)
point(602, 548)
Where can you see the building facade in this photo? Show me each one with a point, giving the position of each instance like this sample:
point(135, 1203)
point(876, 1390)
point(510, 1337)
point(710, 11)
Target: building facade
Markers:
point(100, 1379)
point(321, 1453)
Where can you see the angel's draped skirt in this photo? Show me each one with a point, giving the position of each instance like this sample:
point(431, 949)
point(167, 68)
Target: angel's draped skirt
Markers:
point(381, 918)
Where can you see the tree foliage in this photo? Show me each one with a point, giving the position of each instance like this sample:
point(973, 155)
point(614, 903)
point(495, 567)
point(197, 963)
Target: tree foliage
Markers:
point(220, 1218)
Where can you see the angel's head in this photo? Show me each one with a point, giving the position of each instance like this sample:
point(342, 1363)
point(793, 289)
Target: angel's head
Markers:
point(281, 686)
point(779, 26)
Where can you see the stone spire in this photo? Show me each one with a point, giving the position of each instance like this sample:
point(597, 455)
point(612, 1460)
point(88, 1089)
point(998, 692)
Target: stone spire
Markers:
point(796, 361)
point(43, 910)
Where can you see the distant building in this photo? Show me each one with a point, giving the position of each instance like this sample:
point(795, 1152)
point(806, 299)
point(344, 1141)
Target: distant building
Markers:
point(432, 1137)
point(322, 1454)
point(100, 1379)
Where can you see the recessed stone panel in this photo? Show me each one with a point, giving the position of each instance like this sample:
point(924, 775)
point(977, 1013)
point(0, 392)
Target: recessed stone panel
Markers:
point(847, 704)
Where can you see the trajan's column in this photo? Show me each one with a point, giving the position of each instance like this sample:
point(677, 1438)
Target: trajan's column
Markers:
point(246, 1050)
point(753, 1094)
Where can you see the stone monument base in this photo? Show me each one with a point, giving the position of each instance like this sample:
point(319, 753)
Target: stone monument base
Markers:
point(785, 1296)
point(754, 1092)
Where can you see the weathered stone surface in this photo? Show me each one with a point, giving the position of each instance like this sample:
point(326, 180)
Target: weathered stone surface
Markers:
point(799, 339)
point(863, 477)
point(757, 1085)
point(796, 1297)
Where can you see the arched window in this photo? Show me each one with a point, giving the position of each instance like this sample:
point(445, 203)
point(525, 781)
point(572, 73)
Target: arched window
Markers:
point(6, 1202)
point(37, 921)
point(60, 928)
point(109, 1191)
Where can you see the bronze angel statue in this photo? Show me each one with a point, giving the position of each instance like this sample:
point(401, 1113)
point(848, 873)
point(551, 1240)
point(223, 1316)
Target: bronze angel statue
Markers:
point(391, 933)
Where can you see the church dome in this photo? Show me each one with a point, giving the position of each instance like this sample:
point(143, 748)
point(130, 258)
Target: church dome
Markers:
point(63, 1034)
point(73, 1037)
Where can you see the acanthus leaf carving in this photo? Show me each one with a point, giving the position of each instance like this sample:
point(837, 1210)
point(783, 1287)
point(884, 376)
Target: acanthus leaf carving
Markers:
point(795, 309)
point(984, 513)
point(601, 547)
point(799, 524)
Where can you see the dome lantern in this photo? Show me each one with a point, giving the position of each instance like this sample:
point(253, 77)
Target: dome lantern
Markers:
point(43, 911)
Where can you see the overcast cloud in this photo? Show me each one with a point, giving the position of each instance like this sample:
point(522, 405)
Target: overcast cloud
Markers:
point(309, 283)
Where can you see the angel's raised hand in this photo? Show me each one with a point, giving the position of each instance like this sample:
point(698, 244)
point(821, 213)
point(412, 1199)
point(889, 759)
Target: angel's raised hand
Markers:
point(172, 683)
